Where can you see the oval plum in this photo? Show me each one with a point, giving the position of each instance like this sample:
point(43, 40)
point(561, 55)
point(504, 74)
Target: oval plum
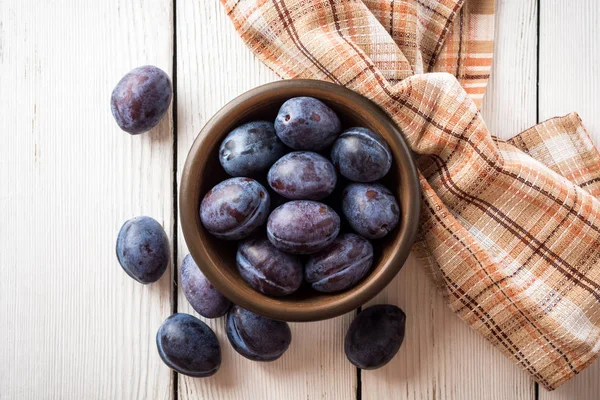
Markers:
point(256, 337)
point(188, 346)
point(141, 99)
point(143, 249)
point(340, 265)
point(305, 123)
point(361, 155)
point(200, 293)
point(303, 175)
point(234, 208)
point(250, 149)
point(268, 269)
point(371, 209)
point(375, 336)
point(303, 226)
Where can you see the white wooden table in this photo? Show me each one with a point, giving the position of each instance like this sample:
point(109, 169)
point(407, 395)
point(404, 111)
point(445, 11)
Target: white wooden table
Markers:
point(74, 326)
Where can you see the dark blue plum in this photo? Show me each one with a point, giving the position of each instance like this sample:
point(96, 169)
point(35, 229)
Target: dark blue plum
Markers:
point(234, 208)
point(303, 175)
point(200, 293)
point(361, 155)
point(375, 336)
point(371, 209)
point(268, 269)
point(188, 346)
point(303, 226)
point(251, 149)
point(143, 249)
point(340, 265)
point(305, 123)
point(141, 99)
point(255, 337)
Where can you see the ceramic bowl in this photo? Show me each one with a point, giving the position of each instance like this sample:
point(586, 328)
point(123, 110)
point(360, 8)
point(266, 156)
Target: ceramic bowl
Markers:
point(216, 258)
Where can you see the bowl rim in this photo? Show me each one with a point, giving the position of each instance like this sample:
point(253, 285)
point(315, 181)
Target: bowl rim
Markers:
point(357, 296)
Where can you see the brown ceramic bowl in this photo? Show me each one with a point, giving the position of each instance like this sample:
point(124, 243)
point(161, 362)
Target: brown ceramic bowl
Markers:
point(216, 258)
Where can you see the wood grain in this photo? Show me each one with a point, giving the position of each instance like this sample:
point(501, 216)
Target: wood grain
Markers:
point(509, 106)
point(74, 325)
point(570, 81)
point(442, 358)
point(214, 66)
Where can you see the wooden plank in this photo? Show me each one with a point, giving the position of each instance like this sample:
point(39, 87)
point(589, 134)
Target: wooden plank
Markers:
point(74, 325)
point(570, 81)
point(442, 358)
point(214, 66)
point(509, 105)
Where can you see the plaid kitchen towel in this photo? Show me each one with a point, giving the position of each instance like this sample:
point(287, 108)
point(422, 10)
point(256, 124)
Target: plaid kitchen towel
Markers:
point(510, 230)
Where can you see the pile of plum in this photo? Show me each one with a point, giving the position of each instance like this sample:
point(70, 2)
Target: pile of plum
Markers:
point(302, 240)
point(301, 227)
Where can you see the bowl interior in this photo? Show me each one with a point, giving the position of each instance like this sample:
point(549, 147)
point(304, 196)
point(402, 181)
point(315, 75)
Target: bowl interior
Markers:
point(216, 257)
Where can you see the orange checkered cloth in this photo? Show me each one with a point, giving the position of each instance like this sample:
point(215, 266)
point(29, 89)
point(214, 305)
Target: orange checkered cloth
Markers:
point(510, 230)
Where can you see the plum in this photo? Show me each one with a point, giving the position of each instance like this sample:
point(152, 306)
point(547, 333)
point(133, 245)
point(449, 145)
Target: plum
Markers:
point(250, 149)
point(234, 208)
point(375, 336)
point(305, 123)
point(141, 99)
point(340, 265)
point(303, 175)
point(200, 293)
point(188, 346)
point(371, 209)
point(268, 269)
point(143, 249)
point(256, 337)
point(303, 226)
point(361, 155)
